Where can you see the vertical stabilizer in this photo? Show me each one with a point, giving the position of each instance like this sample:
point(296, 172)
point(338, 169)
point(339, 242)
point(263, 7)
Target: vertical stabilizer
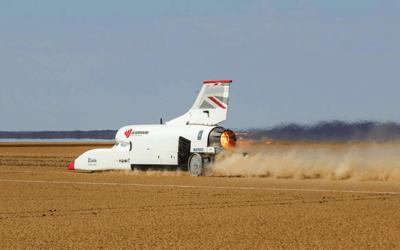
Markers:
point(210, 107)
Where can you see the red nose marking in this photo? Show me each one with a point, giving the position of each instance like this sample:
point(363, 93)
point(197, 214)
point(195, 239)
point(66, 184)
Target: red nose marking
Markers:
point(71, 166)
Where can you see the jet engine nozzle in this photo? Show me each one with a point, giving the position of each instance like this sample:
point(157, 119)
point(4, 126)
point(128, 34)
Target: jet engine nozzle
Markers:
point(228, 139)
point(222, 138)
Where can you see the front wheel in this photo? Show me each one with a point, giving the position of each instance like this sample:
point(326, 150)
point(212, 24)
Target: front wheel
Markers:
point(196, 165)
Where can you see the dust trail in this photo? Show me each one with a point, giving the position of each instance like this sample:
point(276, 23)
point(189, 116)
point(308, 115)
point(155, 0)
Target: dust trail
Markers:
point(335, 161)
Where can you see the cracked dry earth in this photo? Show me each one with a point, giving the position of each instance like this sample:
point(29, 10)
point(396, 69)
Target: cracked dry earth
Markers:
point(44, 206)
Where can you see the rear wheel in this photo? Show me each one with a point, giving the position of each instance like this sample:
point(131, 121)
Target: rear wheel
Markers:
point(196, 165)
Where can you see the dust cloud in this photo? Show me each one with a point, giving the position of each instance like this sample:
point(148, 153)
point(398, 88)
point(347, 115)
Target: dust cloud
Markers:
point(333, 161)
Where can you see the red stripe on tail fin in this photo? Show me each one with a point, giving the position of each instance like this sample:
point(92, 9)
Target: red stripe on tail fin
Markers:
point(216, 102)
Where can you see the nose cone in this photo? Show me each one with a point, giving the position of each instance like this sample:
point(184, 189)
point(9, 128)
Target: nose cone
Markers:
point(71, 166)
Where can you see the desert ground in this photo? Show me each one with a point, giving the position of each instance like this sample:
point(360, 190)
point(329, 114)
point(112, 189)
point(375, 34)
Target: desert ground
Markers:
point(279, 196)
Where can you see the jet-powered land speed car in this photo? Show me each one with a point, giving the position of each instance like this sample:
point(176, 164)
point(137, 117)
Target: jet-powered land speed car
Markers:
point(189, 142)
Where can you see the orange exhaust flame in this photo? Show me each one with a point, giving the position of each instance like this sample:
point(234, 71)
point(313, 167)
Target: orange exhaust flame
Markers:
point(228, 139)
point(243, 142)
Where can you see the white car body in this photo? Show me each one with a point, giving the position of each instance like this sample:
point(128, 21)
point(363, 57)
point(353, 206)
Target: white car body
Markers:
point(171, 144)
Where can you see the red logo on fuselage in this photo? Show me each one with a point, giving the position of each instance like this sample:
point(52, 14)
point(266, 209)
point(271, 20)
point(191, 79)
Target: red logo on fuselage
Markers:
point(128, 133)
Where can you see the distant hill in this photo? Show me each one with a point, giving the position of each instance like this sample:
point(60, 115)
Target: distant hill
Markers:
point(331, 131)
point(95, 134)
point(322, 131)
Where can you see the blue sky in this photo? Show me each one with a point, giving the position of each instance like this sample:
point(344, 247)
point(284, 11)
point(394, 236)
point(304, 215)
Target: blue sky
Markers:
point(89, 65)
